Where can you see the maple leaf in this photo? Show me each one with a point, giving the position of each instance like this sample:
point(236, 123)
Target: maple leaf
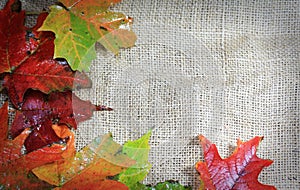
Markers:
point(27, 55)
point(80, 24)
point(239, 171)
point(15, 167)
point(89, 168)
point(39, 111)
point(137, 150)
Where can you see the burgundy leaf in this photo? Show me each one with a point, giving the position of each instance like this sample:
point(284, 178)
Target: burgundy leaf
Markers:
point(40, 111)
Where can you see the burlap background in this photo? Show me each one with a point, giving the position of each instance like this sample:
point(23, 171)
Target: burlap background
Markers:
point(224, 69)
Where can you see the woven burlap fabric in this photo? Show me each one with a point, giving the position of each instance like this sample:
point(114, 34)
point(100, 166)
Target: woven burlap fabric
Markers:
point(224, 69)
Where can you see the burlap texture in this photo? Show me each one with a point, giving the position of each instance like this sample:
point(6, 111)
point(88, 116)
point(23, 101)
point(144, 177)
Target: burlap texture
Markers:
point(224, 69)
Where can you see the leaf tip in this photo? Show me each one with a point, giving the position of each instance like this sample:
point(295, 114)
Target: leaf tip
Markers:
point(103, 108)
point(204, 141)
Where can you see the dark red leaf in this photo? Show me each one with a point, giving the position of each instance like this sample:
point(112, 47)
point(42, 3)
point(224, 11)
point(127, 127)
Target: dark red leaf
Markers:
point(39, 111)
point(13, 45)
point(239, 171)
point(41, 136)
point(3, 121)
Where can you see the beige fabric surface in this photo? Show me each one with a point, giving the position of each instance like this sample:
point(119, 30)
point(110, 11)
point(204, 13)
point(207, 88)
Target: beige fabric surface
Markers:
point(224, 69)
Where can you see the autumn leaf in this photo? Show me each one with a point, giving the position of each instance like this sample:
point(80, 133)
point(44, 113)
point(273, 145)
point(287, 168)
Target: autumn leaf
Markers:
point(14, 166)
point(79, 24)
point(13, 45)
point(89, 168)
point(63, 131)
point(39, 111)
point(34, 68)
point(137, 150)
point(239, 171)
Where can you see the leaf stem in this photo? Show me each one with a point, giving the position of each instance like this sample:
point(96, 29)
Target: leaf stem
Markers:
point(103, 108)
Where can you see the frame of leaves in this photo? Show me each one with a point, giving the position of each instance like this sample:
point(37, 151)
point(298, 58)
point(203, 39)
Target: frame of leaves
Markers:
point(38, 67)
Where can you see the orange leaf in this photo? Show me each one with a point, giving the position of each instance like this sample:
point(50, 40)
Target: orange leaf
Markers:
point(95, 176)
point(239, 171)
point(89, 168)
point(62, 131)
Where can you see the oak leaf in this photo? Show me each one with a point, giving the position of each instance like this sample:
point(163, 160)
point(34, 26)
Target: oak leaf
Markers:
point(40, 111)
point(14, 166)
point(79, 24)
point(89, 168)
point(239, 171)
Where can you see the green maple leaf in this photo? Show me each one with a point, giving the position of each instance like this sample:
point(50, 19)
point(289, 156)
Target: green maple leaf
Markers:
point(79, 24)
point(137, 150)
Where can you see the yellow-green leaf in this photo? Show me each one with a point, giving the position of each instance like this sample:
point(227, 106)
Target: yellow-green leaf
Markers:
point(137, 150)
point(74, 40)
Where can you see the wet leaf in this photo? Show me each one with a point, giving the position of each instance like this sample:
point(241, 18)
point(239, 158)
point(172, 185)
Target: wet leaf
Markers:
point(239, 171)
point(137, 150)
point(14, 166)
point(35, 67)
point(80, 24)
point(13, 45)
point(40, 111)
point(89, 168)
point(4, 122)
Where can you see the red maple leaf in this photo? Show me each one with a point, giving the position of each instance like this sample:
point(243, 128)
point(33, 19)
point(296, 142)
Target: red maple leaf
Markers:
point(14, 167)
point(13, 46)
point(27, 58)
point(239, 171)
point(40, 111)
